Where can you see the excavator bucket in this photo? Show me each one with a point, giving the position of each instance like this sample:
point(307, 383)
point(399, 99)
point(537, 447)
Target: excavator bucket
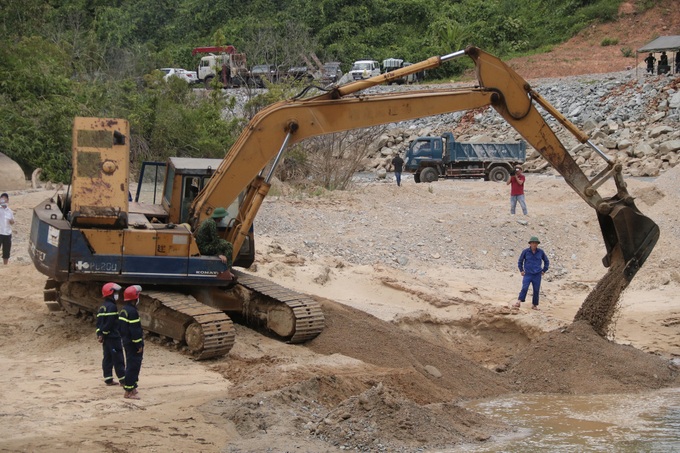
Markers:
point(627, 229)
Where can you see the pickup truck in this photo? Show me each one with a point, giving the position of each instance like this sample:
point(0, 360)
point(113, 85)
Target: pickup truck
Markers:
point(431, 158)
point(364, 69)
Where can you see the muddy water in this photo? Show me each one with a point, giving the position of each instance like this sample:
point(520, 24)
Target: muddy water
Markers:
point(647, 422)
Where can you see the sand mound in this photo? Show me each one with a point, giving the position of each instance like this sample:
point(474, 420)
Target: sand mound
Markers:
point(370, 417)
point(357, 334)
point(577, 360)
point(380, 419)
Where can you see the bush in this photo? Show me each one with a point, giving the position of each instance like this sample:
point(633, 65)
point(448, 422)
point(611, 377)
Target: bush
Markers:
point(627, 52)
point(609, 42)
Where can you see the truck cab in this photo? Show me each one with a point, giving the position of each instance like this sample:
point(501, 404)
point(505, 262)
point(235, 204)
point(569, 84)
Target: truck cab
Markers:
point(230, 68)
point(423, 151)
point(364, 69)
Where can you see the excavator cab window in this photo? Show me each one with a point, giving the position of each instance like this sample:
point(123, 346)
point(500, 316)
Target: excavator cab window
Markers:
point(191, 186)
point(150, 183)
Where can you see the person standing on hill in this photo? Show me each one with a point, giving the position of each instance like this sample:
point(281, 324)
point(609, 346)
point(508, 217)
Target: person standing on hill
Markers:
point(398, 165)
point(6, 222)
point(109, 336)
point(133, 340)
point(516, 182)
point(532, 263)
point(650, 60)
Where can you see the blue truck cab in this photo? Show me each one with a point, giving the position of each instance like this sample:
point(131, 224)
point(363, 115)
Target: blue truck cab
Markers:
point(430, 158)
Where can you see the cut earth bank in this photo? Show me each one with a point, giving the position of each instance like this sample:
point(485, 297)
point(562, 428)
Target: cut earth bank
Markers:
point(415, 282)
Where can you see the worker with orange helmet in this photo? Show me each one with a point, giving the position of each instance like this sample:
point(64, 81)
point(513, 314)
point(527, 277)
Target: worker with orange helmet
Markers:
point(109, 336)
point(133, 339)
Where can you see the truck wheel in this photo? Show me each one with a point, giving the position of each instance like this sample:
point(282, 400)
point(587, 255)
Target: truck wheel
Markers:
point(499, 174)
point(207, 82)
point(416, 177)
point(429, 174)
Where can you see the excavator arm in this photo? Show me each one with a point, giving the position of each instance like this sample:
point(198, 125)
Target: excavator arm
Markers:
point(284, 123)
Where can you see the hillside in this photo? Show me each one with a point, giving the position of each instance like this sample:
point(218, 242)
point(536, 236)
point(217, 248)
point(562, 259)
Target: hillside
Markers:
point(584, 54)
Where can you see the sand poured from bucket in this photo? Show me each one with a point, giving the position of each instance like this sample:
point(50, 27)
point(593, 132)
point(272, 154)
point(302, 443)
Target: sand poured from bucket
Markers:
point(600, 306)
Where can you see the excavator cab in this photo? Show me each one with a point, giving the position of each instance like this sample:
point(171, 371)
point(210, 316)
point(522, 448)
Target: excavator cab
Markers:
point(166, 191)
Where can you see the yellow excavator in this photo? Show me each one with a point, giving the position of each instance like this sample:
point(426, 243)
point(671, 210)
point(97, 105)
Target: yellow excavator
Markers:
point(96, 232)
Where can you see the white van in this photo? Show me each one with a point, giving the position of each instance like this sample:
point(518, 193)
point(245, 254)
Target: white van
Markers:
point(364, 69)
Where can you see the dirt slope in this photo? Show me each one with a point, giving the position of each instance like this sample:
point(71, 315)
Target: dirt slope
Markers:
point(584, 54)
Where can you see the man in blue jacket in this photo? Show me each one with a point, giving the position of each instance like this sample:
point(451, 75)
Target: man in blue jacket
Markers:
point(532, 263)
point(108, 335)
point(133, 339)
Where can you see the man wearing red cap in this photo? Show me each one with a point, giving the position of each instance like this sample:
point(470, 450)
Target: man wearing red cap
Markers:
point(133, 339)
point(109, 336)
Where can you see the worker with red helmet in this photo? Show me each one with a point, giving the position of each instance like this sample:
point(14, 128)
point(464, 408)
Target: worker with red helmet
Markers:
point(108, 335)
point(133, 339)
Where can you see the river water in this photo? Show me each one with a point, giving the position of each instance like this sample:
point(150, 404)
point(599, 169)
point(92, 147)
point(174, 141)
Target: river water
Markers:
point(648, 422)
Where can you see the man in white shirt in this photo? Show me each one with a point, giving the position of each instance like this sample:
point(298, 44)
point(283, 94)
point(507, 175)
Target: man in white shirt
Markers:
point(6, 222)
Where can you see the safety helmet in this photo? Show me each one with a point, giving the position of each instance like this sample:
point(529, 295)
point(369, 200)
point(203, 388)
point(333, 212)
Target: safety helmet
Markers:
point(109, 288)
point(132, 292)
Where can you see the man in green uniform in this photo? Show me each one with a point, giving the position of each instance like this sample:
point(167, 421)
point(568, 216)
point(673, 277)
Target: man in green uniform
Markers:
point(210, 243)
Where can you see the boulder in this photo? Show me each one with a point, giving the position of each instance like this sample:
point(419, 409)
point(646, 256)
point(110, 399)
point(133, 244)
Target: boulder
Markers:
point(386, 152)
point(609, 143)
point(625, 144)
point(657, 117)
point(650, 168)
point(11, 175)
point(674, 101)
point(589, 125)
point(660, 130)
point(642, 149)
point(669, 146)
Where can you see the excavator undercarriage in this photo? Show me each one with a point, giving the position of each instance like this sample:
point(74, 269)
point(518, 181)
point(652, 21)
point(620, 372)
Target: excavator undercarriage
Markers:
point(200, 321)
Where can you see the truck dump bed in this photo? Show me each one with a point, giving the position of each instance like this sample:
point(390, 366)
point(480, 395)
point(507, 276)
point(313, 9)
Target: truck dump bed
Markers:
point(489, 152)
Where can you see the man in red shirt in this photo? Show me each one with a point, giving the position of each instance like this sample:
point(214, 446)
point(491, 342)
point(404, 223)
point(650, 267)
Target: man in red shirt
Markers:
point(517, 191)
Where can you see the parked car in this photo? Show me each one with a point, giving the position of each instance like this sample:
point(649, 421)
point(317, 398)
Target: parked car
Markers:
point(261, 72)
point(331, 72)
point(300, 73)
point(364, 69)
point(188, 76)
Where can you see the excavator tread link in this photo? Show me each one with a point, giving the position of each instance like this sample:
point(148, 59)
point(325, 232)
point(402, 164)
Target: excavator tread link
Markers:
point(309, 318)
point(216, 327)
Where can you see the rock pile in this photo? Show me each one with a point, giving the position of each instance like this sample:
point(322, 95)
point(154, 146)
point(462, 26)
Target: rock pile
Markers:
point(633, 120)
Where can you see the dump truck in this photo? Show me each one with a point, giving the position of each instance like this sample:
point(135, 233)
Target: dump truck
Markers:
point(224, 63)
point(430, 158)
point(91, 233)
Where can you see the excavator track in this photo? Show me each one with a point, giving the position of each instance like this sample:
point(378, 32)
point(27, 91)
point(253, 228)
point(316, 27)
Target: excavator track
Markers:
point(308, 319)
point(206, 331)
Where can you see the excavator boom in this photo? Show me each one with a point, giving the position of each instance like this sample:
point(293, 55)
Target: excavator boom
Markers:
point(284, 123)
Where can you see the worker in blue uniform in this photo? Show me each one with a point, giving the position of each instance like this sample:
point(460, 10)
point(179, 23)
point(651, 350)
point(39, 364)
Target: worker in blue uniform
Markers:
point(133, 341)
point(533, 263)
point(109, 336)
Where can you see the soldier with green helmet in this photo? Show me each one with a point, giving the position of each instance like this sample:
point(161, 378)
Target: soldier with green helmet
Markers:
point(210, 243)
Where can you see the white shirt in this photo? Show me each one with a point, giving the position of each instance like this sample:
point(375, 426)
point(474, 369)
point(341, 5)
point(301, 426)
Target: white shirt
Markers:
point(6, 215)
